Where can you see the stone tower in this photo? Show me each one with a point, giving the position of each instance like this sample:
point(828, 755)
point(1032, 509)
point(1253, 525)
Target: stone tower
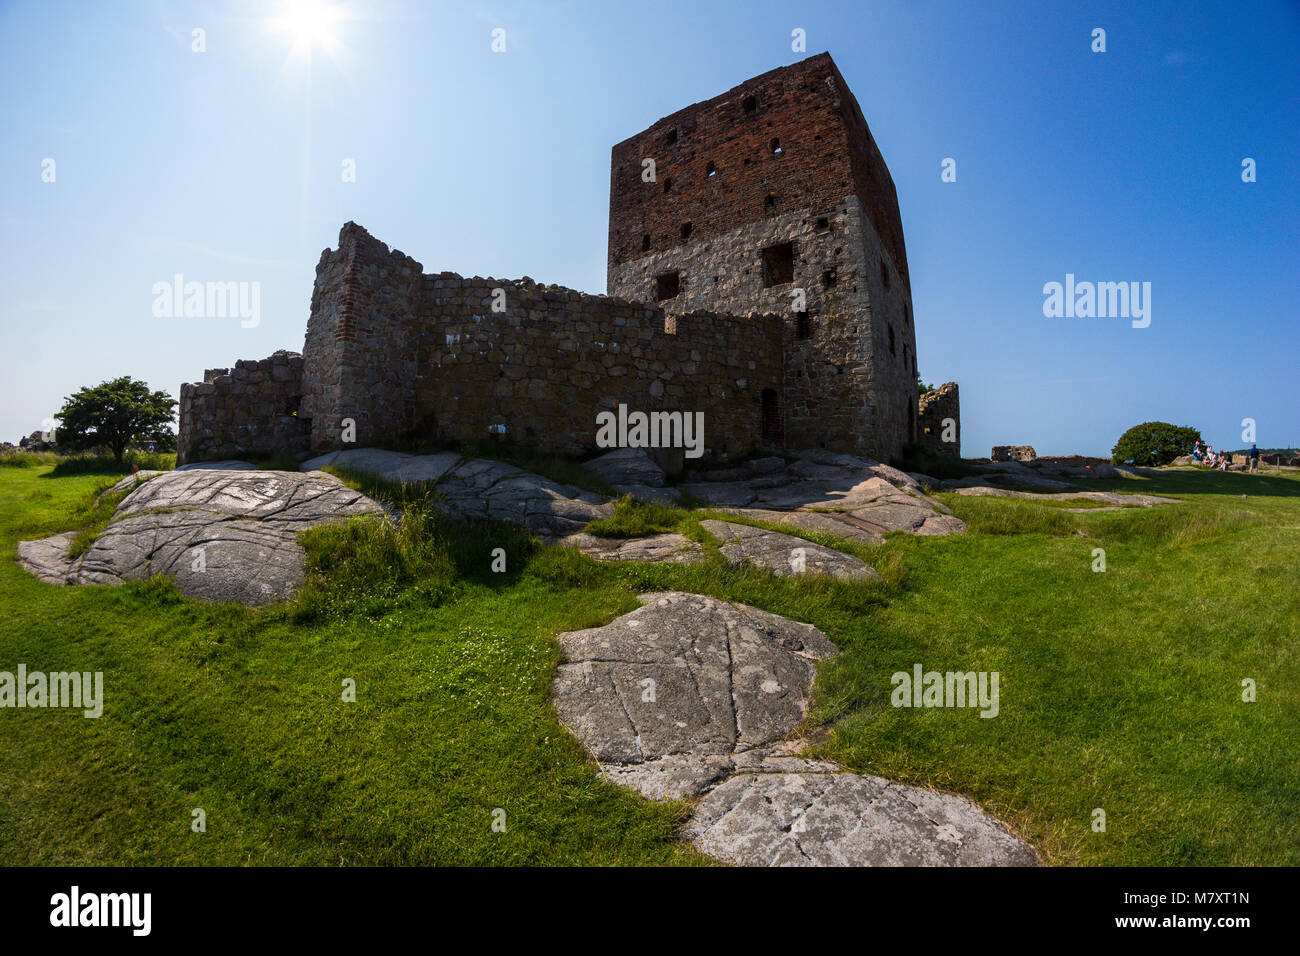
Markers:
point(773, 188)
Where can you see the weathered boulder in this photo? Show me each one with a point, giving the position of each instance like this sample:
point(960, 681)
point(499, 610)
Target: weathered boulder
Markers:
point(392, 466)
point(667, 697)
point(221, 535)
point(852, 497)
point(627, 466)
point(784, 554)
point(479, 488)
point(844, 819)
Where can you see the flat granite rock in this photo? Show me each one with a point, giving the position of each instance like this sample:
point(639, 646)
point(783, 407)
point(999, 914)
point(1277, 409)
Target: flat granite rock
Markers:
point(669, 548)
point(784, 554)
point(1025, 478)
point(221, 535)
point(397, 467)
point(483, 489)
point(478, 488)
point(627, 466)
point(1109, 497)
point(844, 819)
point(855, 498)
point(670, 696)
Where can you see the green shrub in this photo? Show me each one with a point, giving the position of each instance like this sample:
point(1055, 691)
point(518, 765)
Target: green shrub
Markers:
point(633, 518)
point(1154, 443)
point(27, 459)
point(92, 464)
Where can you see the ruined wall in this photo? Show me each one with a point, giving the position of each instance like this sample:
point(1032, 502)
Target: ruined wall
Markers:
point(544, 367)
point(413, 357)
point(934, 407)
point(1013, 453)
point(361, 341)
point(251, 409)
point(792, 162)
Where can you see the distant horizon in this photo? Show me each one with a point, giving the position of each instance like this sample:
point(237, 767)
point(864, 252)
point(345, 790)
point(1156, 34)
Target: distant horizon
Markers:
point(1152, 182)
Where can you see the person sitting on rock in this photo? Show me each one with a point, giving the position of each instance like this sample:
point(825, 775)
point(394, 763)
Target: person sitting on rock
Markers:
point(1196, 450)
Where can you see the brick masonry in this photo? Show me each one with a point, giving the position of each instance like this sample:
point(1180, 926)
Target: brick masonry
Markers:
point(783, 158)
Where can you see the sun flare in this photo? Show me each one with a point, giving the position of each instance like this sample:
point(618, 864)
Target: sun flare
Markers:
point(309, 22)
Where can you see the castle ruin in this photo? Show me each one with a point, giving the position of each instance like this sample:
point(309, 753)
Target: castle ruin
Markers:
point(757, 274)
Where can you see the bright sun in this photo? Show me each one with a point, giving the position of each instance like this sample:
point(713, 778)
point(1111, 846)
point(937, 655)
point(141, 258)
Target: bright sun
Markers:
point(309, 22)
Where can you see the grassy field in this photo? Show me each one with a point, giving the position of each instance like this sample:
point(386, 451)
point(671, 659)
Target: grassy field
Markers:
point(1119, 690)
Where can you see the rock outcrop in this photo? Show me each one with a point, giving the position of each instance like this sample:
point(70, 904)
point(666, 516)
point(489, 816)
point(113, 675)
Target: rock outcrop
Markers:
point(691, 696)
point(221, 535)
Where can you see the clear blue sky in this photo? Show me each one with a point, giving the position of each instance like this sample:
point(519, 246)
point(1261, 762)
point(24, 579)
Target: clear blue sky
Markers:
point(225, 166)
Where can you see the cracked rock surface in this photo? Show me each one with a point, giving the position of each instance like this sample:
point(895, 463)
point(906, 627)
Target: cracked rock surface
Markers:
point(671, 696)
point(478, 488)
point(844, 819)
point(221, 535)
point(839, 494)
point(780, 553)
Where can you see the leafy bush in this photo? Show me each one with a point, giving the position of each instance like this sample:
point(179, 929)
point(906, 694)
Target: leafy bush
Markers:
point(1154, 443)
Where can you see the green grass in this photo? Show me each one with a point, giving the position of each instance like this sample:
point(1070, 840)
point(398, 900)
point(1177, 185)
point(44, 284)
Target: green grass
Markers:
point(96, 511)
point(1119, 690)
point(91, 464)
point(633, 519)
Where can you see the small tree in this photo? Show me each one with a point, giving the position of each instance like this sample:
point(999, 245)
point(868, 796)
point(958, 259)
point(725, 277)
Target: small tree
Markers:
point(1154, 443)
point(115, 414)
point(921, 387)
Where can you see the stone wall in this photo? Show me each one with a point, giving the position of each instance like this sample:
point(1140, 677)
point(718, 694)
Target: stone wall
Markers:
point(361, 341)
point(1013, 453)
point(934, 408)
point(435, 358)
point(251, 409)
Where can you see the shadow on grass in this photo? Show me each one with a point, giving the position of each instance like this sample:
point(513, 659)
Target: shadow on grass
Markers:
point(1205, 482)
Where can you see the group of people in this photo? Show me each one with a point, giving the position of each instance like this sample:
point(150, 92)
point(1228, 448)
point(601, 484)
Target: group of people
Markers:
point(1222, 459)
